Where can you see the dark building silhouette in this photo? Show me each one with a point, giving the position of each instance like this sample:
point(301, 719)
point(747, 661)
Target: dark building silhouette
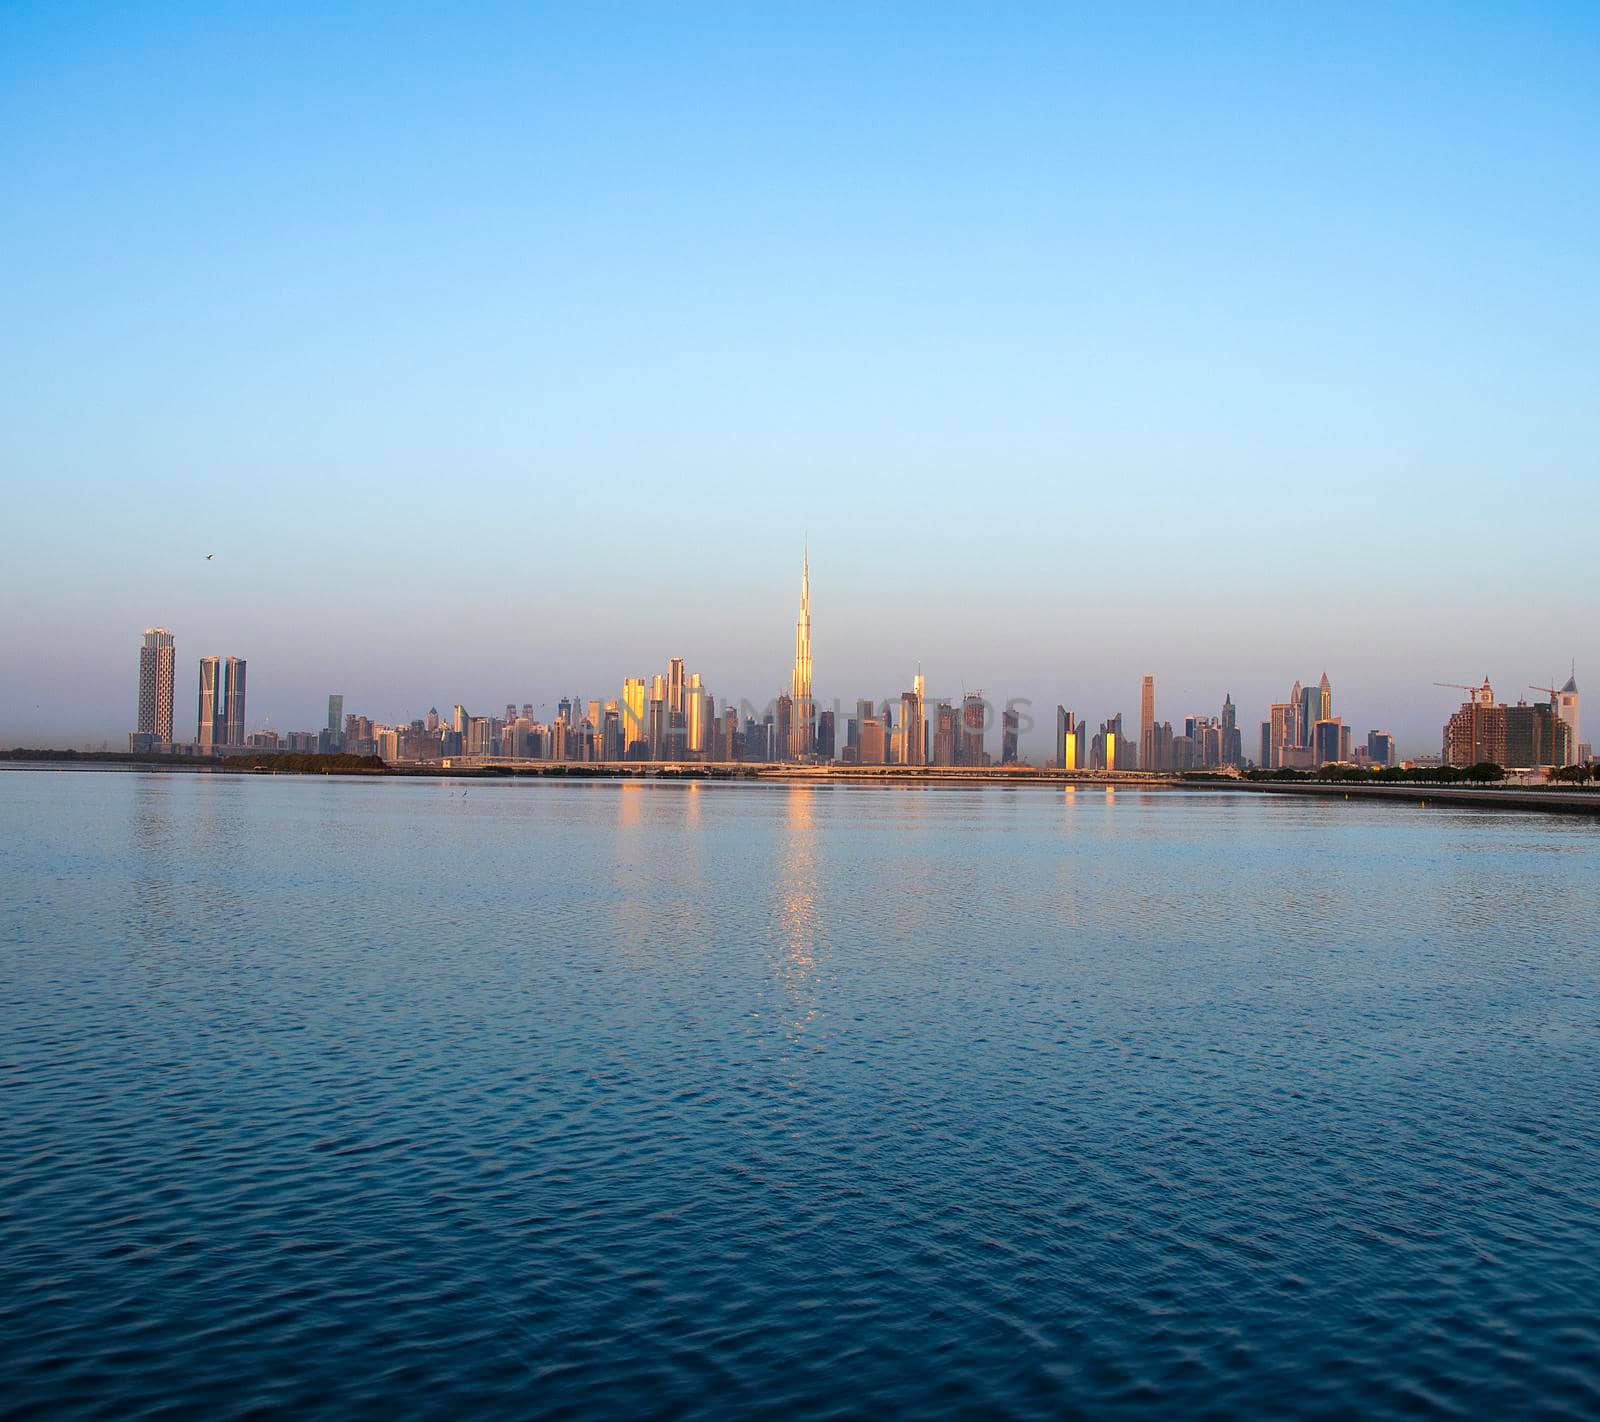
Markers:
point(974, 712)
point(825, 735)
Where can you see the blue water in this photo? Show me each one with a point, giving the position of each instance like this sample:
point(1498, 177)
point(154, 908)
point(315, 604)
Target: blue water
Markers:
point(382, 1098)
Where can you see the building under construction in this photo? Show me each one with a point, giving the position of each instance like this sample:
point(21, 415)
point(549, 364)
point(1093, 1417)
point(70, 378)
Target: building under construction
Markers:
point(1520, 737)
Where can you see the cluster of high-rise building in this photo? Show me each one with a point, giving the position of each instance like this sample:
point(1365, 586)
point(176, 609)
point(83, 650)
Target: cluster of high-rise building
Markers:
point(1204, 742)
point(1302, 733)
point(903, 732)
point(673, 717)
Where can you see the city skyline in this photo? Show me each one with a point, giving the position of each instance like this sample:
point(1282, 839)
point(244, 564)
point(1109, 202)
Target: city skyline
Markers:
point(1081, 344)
point(493, 929)
point(1406, 695)
point(676, 716)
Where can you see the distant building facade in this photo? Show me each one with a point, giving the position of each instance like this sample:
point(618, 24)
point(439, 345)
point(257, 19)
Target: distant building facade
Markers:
point(1520, 737)
point(157, 669)
point(974, 712)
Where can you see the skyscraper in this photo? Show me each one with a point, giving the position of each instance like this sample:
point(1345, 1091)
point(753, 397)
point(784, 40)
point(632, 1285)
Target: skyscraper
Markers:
point(1325, 699)
point(1327, 742)
point(785, 733)
point(907, 741)
point(205, 731)
point(1067, 749)
point(1147, 724)
point(946, 737)
point(919, 687)
point(1309, 712)
point(873, 750)
point(1010, 723)
point(156, 668)
point(336, 720)
point(1108, 750)
point(911, 735)
point(633, 714)
point(1567, 710)
point(233, 701)
point(1281, 735)
point(1232, 742)
point(611, 747)
point(864, 712)
point(656, 724)
point(801, 726)
point(973, 714)
point(675, 687)
point(698, 713)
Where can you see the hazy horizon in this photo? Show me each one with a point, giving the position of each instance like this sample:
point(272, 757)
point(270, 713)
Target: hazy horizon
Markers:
point(500, 356)
point(281, 697)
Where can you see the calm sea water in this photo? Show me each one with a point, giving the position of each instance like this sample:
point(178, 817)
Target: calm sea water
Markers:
point(600, 1099)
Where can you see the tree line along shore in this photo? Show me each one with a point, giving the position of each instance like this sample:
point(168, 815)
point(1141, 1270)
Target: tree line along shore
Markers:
point(339, 763)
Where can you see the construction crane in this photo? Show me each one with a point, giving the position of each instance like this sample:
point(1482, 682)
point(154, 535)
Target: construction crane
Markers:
point(1570, 751)
point(1480, 694)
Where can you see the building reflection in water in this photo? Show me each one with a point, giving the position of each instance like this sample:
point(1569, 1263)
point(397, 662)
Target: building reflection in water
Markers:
point(633, 888)
point(795, 961)
point(659, 872)
point(154, 910)
point(630, 805)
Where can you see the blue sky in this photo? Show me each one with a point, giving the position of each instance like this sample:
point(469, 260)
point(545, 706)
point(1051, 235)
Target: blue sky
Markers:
point(502, 352)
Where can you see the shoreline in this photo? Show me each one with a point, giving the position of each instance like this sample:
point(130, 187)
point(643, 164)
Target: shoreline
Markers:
point(1552, 800)
point(1560, 801)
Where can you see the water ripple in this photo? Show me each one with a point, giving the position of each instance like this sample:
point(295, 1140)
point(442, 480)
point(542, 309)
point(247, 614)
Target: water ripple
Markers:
point(577, 1100)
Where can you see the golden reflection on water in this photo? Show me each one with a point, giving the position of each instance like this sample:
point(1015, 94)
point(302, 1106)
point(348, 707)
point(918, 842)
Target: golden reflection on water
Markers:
point(631, 904)
point(630, 805)
point(659, 871)
point(795, 965)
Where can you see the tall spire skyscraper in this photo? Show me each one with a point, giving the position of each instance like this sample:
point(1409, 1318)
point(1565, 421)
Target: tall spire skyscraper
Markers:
point(802, 727)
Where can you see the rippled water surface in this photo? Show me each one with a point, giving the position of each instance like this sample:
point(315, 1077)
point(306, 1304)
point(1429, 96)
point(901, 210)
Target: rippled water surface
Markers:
point(600, 1099)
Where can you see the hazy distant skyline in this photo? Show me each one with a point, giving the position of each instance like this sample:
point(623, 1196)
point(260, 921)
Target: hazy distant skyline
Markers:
point(285, 703)
point(503, 354)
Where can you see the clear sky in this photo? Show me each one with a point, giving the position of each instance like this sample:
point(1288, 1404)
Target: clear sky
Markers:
point(501, 352)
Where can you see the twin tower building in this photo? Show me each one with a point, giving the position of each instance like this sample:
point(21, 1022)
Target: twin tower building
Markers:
point(220, 717)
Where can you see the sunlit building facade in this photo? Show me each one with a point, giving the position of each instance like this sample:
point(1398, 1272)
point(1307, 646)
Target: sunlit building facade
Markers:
point(1567, 710)
point(1147, 725)
point(798, 736)
point(157, 671)
point(634, 739)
